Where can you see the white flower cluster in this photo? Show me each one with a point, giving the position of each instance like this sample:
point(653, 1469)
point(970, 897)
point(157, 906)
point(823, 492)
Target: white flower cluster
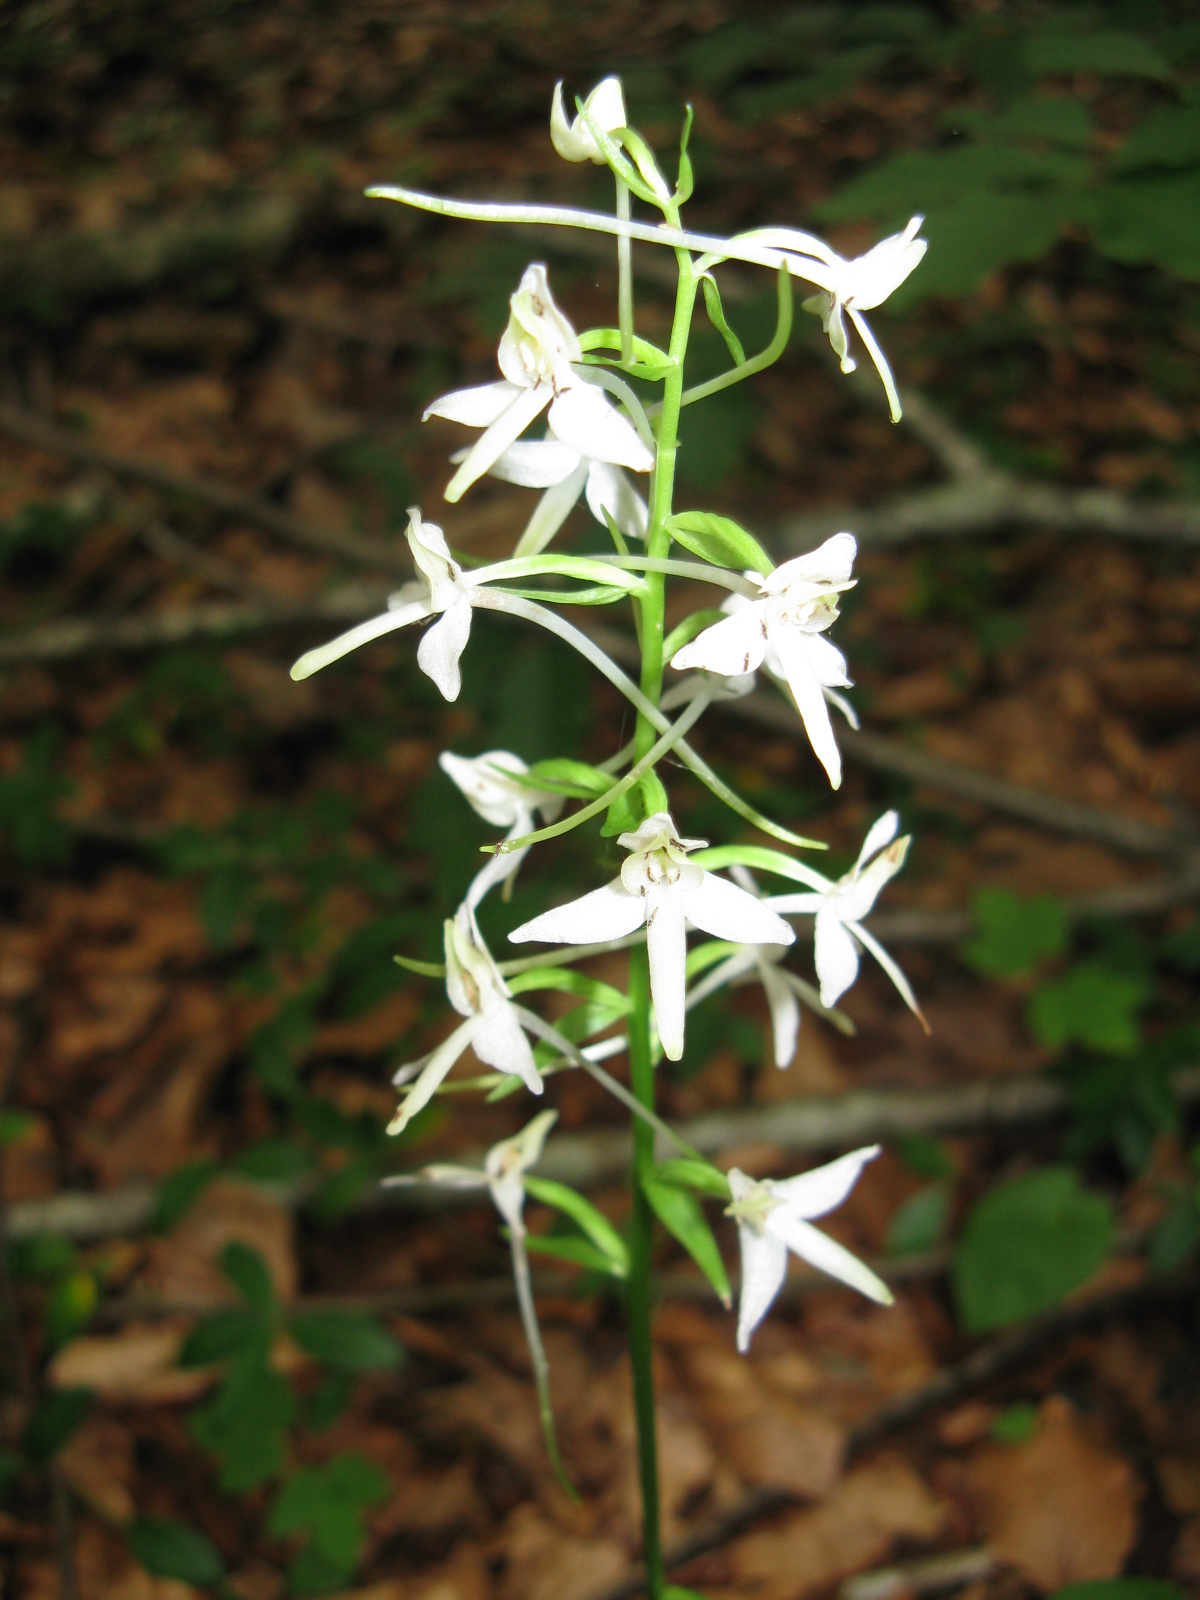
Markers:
point(596, 435)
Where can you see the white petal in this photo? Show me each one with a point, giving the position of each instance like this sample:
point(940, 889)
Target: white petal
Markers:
point(816, 1193)
point(880, 361)
point(435, 1069)
point(785, 1013)
point(824, 1253)
point(728, 971)
point(608, 913)
point(570, 145)
point(507, 428)
point(606, 107)
point(831, 562)
point(893, 971)
point(444, 1173)
point(731, 647)
point(508, 1196)
point(488, 793)
point(583, 418)
point(802, 904)
point(478, 407)
point(835, 954)
point(882, 831)
point(666, 946)
point(551, 511)
point(365, 632)
point(442, 645)
point(873, 277)
point(499, 1043)
point(795, 658)
point(535, 463)
point(719, 907)
point(764, 1267)
point(836, 329)
point(608, 489)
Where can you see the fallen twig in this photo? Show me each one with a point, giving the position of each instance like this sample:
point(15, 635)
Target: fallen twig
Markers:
point(931, 1575)
point(862, 1116)
point(221, 497)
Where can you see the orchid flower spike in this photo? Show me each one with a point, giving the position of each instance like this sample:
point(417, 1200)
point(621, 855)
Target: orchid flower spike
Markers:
point(783, 990)
point(536, 353)
point(859, 286)
point(660, 888)
point(443, 589)
point(775, 1216)
point(564, 473)
point(492, 1029)
point(796, 604)
point(504, 802)
point(838, 931)
point(502, 1174)
point(573, 140)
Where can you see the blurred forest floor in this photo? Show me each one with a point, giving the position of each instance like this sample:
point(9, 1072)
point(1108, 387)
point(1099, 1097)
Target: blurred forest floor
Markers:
point(207, 869)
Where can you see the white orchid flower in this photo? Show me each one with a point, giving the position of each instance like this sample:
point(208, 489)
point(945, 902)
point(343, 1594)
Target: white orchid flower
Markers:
point(565, 474)
point(444, 590)
point(502, 1174)
point(796, 604)
point(853, 287)
point(492, 1029)
point(660, 888)
point(783, 990)
point(536, 353)
point(574, 140)
point(839, 909)
point(502, 801)
point(775, 1216)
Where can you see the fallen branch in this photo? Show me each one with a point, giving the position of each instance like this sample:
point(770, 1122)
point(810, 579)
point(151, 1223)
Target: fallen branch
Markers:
point(586, 1160)
point(72, 637)
point(220, 497)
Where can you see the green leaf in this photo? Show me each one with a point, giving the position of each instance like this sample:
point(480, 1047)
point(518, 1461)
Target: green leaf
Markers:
point(673, 1591)
point(327, 1503)
point(919, 1223)
point(684, 1172)
point(179, 1191)
point(71, 1306)
point(328, 1402)
point(1107, 52)
point(224, 1336)
point(14, 1125)
point(1016, 1423)
point(1014, 935)
point(1026, 1245)
point(170, 1549)
point(571, 982)
point(716, 315)
point(274, 1161)
point(719, 540)
point(247, 1271)
point(685, 181)
point(646, 164)
point(423, 969)
point(1091, 1005)
point(935, 180)
point(1148, 220)
point(1120, 1589)
point(584, 1214)
point(244, 1424)
point(972, 237)
point(680, 1214)
point(649, 362)
point(1168, 137)
point(576, 779)
point(571, 1248)
point(351, 1340)
point(1037, 119)
point(925, 1155)
point(55, 1418)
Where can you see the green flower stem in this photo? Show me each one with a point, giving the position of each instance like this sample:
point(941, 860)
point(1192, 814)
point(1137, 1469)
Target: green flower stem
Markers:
point(624, 275)
point(641, 1061)
point(641, 1224)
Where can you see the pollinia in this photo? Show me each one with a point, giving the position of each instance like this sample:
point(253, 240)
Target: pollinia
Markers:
point(598, 439)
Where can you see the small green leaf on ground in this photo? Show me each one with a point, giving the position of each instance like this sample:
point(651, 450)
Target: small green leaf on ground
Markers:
point(170, 1549)
point(1026, 1245)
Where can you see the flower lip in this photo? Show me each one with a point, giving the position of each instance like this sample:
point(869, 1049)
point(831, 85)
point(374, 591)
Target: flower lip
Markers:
point(573, 140)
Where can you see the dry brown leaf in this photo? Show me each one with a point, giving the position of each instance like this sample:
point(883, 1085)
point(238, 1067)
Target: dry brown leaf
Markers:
point(1180, 1480)
point(854, 1528)
point(463, 1577)
point(1060, 1507)
point(30, 1164)
point(98, 1465)
point(186, 1266)
point(137, 1364)
point(769, 1438)
point(1185, 1558)
point(544, 1563)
